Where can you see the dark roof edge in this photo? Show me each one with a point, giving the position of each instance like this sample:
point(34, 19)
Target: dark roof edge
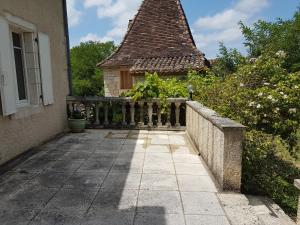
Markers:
point(125, 37)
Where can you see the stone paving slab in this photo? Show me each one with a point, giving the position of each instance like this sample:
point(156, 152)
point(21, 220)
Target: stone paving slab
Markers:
point(108, 177)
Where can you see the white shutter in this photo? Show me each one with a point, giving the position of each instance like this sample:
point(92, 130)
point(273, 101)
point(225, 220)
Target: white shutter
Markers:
point(7, 75)
point(46, 69)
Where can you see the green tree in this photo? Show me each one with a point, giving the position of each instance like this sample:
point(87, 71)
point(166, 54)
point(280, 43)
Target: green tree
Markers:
point(227, 61)
point(275, 36)
point(87, 78)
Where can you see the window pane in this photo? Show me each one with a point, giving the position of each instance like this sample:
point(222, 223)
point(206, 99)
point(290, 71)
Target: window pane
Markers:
point(16, 40)
point(20, 74)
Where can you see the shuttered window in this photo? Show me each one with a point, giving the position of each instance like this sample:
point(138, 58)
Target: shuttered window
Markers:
point(46, 69)
point(19, 65)
point(125, 80)
point(7, 79)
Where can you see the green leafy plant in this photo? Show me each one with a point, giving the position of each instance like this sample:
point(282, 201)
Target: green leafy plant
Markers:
point(156, 87)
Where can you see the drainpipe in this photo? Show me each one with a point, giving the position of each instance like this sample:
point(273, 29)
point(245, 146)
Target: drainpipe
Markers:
point(66, 28)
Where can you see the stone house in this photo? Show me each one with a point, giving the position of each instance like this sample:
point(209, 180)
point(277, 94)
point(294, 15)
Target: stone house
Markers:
point(158, 40)
point(33, 74)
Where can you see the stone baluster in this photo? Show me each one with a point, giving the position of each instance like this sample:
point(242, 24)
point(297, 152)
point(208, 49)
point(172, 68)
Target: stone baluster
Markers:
point(177, 113)
point(97, 108)
point(169, 110)
point(124, 123)
point(88, 112)
point(159, 123)
point(132, 112)
point(106, 122)
point(141, 104)
point(150, 113)
point(113, 107)
point(70, 106)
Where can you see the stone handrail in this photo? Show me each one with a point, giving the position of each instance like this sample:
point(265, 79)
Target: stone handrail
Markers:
point(135, 114)
point(219, 142)
point(297, 185)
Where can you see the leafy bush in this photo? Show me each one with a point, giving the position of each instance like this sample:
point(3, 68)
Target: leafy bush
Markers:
point(268, 169)
point(155, 87)
point(261, 95)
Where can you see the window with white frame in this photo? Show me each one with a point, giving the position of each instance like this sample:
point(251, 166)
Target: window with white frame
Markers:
point(18, 51)
point(25, 65)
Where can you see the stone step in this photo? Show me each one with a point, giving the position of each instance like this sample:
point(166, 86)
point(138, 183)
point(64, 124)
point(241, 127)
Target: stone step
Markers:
point(252, 210)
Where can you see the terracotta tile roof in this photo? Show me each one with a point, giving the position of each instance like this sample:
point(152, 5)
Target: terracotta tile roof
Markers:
point(167, 65)
point(160, 32)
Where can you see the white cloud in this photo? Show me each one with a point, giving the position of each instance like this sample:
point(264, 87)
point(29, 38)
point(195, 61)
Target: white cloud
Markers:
point(74, 15)
point(118, 11)
point(94, 37)
point(223, 26)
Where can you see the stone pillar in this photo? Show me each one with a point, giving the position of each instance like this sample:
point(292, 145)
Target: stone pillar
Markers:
point(132, 112)
point(177, 113)
point(169, 110)
point(159, 123)
point(150, 113)
point(124, 123)
point(88, 112)
point(141, 104)
point(297, 185)
point(106, 122)
point(97, 114)
point(70, 106)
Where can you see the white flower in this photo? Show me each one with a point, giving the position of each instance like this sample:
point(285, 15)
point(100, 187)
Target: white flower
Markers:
point(274, 100)
point(270, 97)
point(267, 84)
point(258, 106)
point(292, 110)
point(285, 96)
point(281, 93)
point(277, 109)
point(265, 115)
point(296, 86)
point(260, 94)
point(281, 54)
point(242, 85)
point(251, 103)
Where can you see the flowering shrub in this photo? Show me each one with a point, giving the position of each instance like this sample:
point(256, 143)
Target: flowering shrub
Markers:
point(261, 95)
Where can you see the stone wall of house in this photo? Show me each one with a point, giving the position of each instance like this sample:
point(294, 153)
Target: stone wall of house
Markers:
point(111, 82)
point(33, 125)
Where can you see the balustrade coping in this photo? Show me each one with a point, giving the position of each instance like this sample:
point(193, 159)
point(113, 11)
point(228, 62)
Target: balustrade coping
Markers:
point(221, 122)
point(120, 99)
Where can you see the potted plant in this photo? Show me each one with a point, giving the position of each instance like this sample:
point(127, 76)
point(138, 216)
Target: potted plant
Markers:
point(77, 122)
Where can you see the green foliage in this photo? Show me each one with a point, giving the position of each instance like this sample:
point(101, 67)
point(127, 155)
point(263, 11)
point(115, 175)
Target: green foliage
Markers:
point(227, 61)
point(277, 36)
point(155, 87)
point(261, 95)
point(268, 169)
point(87, 78)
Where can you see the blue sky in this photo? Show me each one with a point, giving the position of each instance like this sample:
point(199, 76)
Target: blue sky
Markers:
point(211, 21)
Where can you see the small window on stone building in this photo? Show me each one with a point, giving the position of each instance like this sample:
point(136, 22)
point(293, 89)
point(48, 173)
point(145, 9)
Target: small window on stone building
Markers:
point(125, 80)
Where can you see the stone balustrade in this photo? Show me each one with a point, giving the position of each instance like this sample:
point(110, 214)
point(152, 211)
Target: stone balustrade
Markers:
point(297, 185)
point(219, 142)
point(124, 112)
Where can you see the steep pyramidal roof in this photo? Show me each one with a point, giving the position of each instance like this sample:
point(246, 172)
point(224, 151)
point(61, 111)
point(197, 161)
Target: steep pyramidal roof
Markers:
point(158, 40)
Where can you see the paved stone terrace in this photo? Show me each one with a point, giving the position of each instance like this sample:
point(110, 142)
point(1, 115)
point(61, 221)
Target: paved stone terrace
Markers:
point(105, 177)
